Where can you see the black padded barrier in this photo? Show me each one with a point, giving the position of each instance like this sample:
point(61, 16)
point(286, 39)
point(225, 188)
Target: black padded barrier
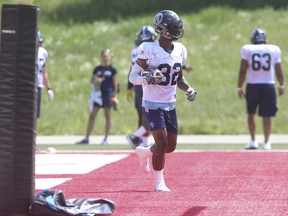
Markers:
point(17, 107)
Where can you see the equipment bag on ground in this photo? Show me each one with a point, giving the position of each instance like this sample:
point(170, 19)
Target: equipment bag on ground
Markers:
point(54, 203)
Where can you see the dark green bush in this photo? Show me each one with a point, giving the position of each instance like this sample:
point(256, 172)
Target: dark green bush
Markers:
point(74, 11)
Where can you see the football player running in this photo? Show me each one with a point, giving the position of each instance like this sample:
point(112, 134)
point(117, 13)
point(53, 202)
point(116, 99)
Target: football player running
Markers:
point(140, 136)
point(159, 94)
point(263, 62)
point(42, 74)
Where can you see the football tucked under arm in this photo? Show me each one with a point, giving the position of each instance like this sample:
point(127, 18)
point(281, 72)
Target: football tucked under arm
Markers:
point(152, 77)
point(139, 76)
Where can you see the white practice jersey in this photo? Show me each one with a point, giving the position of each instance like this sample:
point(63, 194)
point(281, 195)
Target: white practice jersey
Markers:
point(42, 57)
point(261, 60)
point(134, 55)
point(169, 64)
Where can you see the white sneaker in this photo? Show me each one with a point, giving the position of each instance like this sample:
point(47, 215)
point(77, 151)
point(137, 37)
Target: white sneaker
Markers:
point(104, 142)
point(144, 158)
point(161, 187)
point(252, 145)
point(267, 146)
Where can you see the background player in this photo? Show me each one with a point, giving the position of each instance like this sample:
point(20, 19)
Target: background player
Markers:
point(140, 136)
point(103, 94)
point(42, 74)
point(159, 93)
point(262, 61)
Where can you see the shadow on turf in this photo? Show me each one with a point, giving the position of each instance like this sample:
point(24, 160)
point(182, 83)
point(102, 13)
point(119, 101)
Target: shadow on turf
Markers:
point(195, 210)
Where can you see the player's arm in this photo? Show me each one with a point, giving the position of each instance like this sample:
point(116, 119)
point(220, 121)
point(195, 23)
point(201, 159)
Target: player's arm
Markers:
point(187, 68)
point(241, 77)
point(129, 87)
point(47, 84)
point(184, 85)
point(280, 78)
point(135, 74)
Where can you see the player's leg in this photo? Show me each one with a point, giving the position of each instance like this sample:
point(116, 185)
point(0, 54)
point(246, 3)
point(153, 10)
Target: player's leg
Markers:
point(266, 128)
point(90, 125)
point(135, 139)
point(159, 150)
point(171, 124)
point(39, 94)
point(156, 121)
point(108, 124)
point(91, 120)
point(253, 92)
point(145, 137)
point(158, 159)
point(267, 109)
point(251, 125)
point(107, 105)
point(156, 117)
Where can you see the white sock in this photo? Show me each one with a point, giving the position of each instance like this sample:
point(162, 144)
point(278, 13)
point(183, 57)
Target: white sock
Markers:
point(140, 131)
point(145, 141)
point(158, 177)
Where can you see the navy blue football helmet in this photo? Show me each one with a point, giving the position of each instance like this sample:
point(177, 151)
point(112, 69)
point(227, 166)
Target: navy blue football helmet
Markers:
point(168, 24)
point(258, 36)
point(145, 34)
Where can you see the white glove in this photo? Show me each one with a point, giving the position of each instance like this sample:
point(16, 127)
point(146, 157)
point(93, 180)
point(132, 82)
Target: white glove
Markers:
point(191, 94)
point(50, 94)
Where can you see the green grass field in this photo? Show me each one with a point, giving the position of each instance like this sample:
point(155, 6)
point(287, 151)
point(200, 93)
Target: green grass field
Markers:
point(213, 37)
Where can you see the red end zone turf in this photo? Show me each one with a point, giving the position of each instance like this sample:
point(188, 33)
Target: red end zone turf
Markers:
point(201, 183)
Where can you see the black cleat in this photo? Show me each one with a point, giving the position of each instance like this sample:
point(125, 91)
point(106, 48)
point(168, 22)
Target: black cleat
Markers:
point(83, 141)
point(134, 141)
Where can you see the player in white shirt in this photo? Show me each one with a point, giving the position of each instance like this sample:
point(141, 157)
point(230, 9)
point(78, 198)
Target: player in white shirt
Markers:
point(140, 136)
point(159, 91)
point(261, 62)
point(42, 75)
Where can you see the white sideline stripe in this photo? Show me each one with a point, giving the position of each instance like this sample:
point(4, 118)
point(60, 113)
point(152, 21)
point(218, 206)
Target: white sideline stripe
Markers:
point(182, 139)
point(46, 183)
point(49, 164)
point(73, 163)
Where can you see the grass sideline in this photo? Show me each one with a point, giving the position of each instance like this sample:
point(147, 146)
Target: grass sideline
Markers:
point(124, 147)
point(213, 38)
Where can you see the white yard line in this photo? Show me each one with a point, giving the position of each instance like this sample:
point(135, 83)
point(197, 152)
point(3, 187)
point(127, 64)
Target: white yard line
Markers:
point(69, 164)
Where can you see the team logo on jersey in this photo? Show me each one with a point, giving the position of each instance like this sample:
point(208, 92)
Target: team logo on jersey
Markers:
point(158, 19)
point(155, 55)
point(152, 124)
point(107, 73)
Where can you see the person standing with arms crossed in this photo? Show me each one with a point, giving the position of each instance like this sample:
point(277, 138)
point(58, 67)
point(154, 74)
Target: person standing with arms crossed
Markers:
point(263, 62)
point(165, 57)
point(103, 94)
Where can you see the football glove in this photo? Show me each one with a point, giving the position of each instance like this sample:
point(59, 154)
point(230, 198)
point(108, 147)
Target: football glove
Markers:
point(191, 94)
point(153, 77)
point(50, 94)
